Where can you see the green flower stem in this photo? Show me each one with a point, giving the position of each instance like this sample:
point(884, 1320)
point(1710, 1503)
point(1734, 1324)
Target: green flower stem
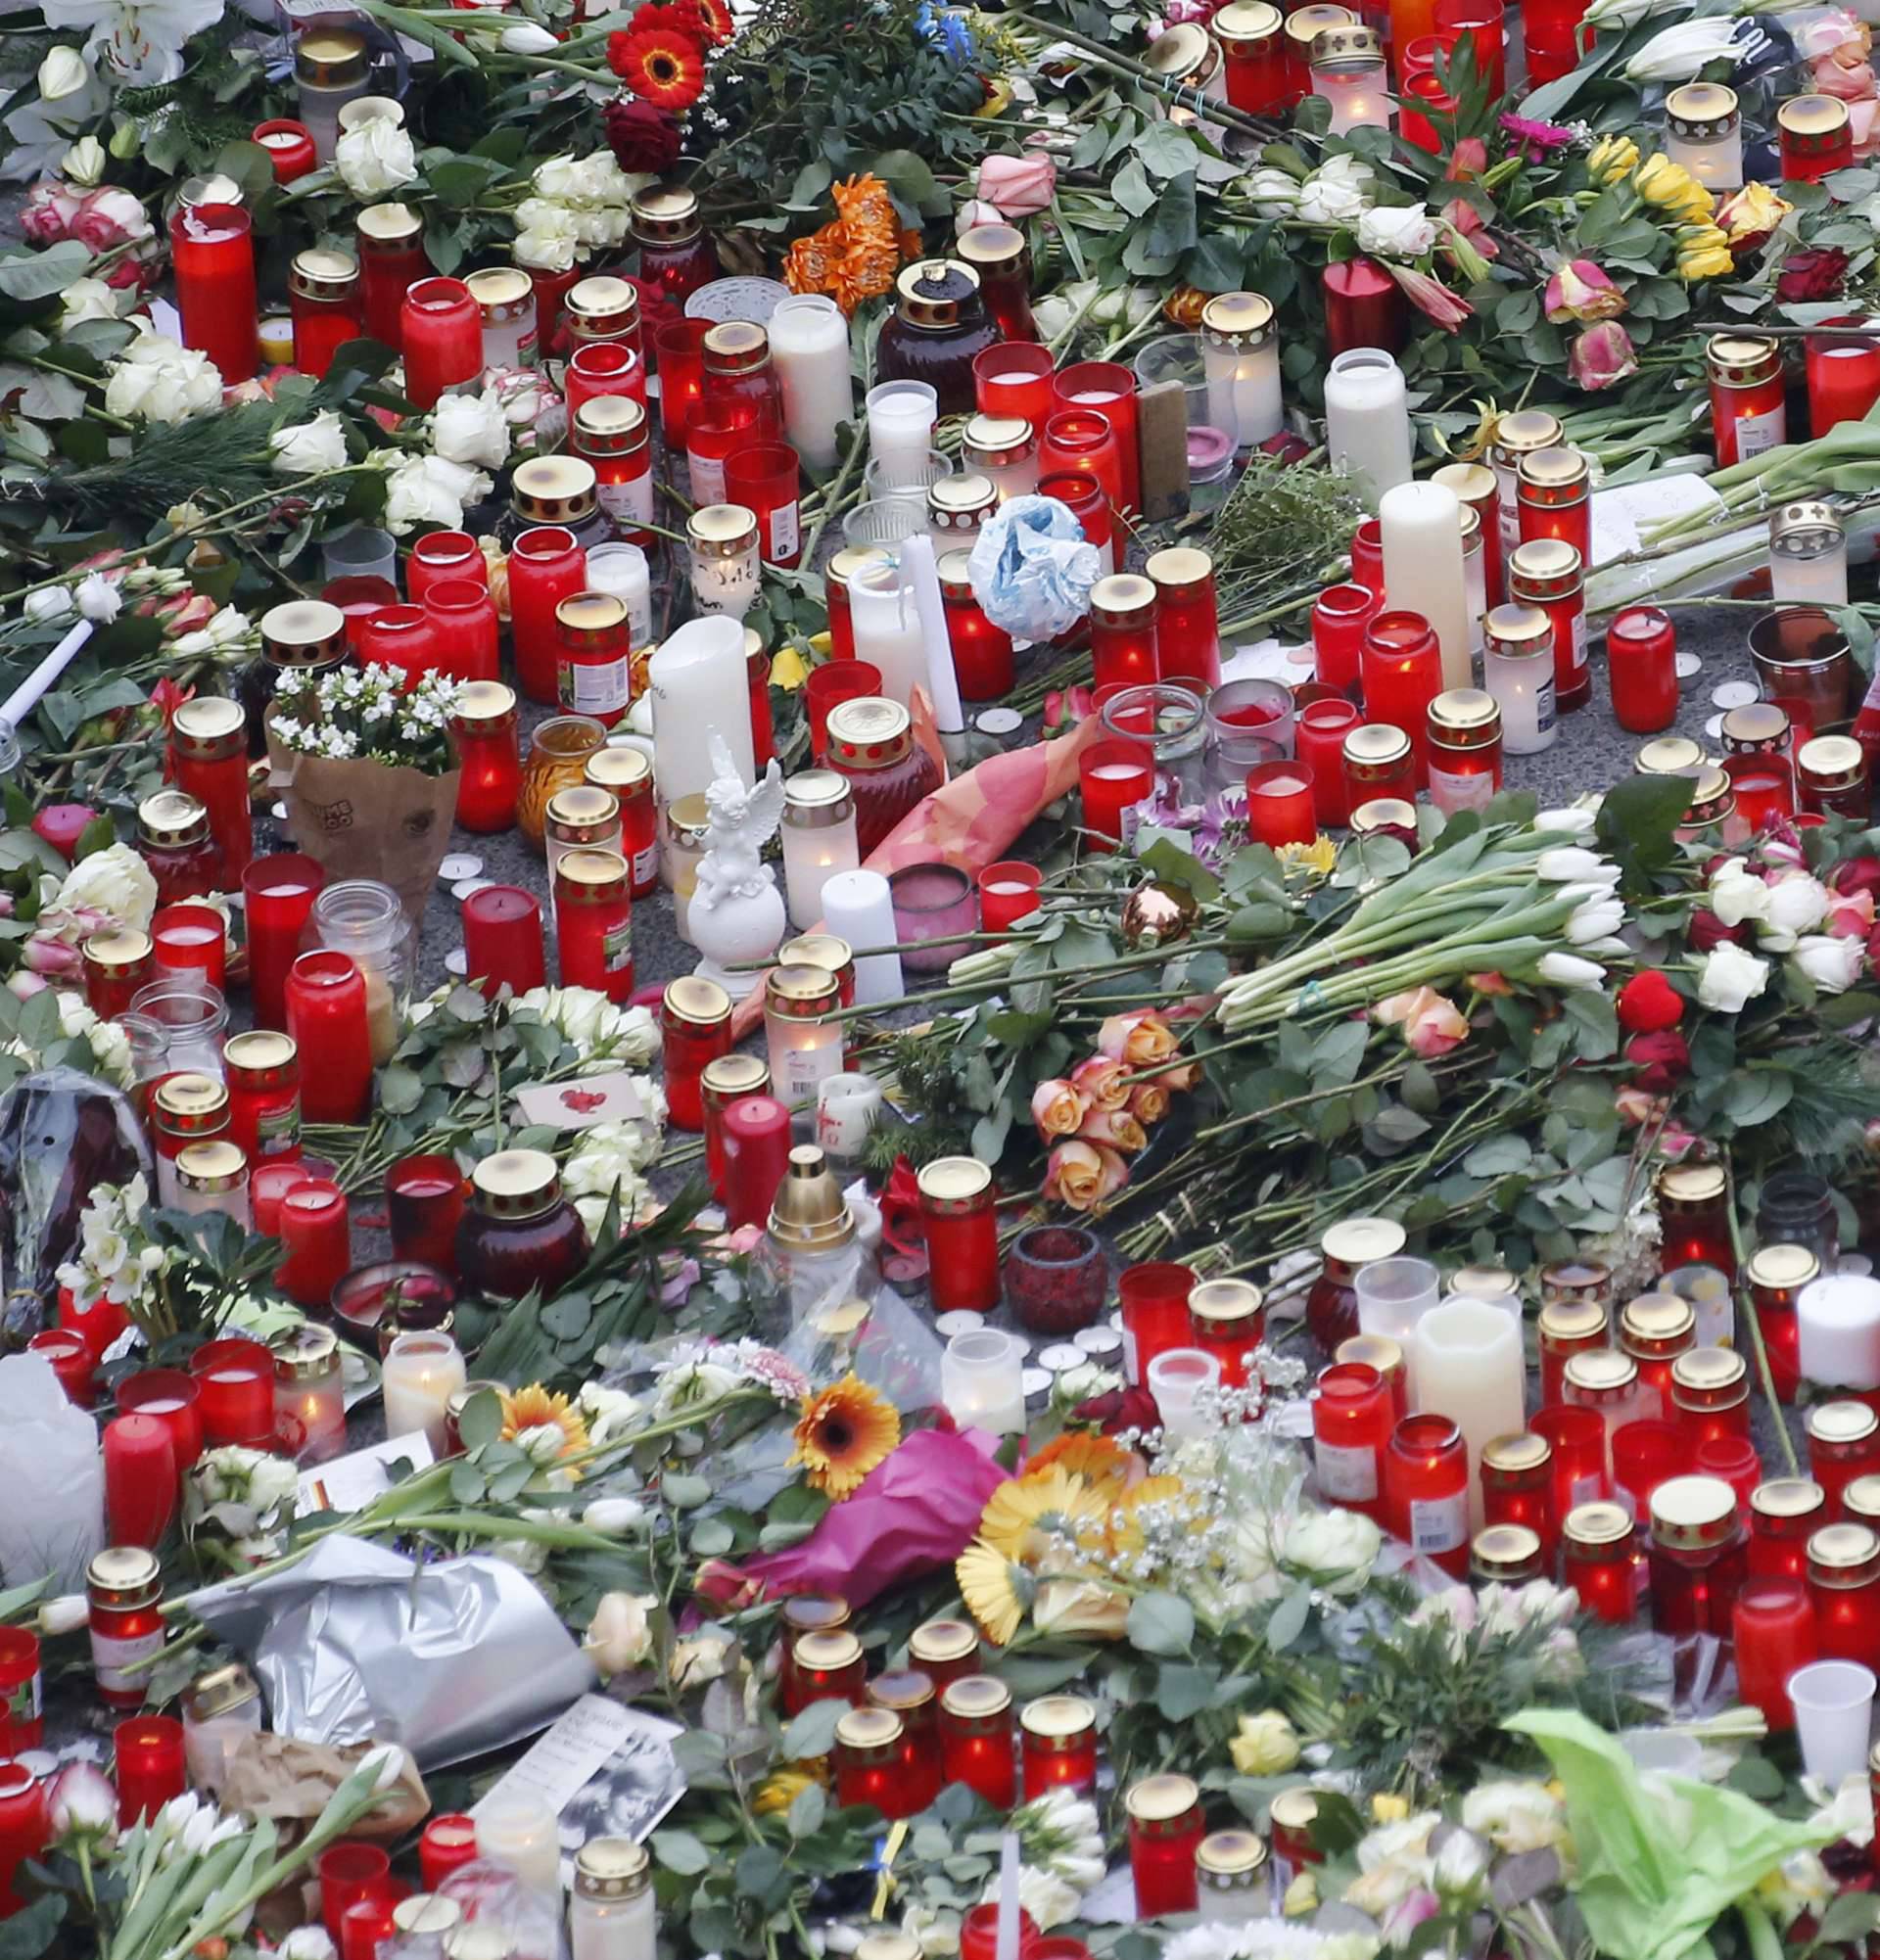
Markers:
point(1747, 1307)
point(488, 1525)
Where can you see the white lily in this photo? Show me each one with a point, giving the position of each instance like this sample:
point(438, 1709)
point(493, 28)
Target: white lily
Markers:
point(1678, 53)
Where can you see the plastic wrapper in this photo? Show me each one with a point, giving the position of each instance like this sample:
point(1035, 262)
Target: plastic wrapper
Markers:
point(62, 1133)
point(53, 1521)
point(293, 1782)
point(1031, 570)
point(359, 1644)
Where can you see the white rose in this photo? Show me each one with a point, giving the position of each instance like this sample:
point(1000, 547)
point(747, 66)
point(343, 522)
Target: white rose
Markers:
point(63, 73)
point(1403, 231)
point(84, 163)
point(693, 1384)
point(1729, 978)
point(470, 429)
point(1461, 1863)
point(1833, 964)
point(1514, 1816)
point(51, 602)
point(375, 158)
point(272, 1483)
point(429, 490)
point(66, 1614)
point(559, 178)
point(99, 599)
point(1798, 904)
point(114, 880)
point(309, 448)
point(1337, 192)
point(163, 381)
point(1736, 895)
point(606, 1411)
point(86, 300)
point(547, 235)
point(1272, 192)
point(1336, 1546)
point(700, 1660)
point(620, 1635)
point(613, 1517)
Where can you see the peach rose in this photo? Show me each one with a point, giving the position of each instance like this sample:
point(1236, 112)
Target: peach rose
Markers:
point(1021, 186)
point(1103, 1083)
point(1057, 1108)
point(1184, 1076)
point(1431, 1025)
point(1634, 1107)
point(1149, 1101)
point(1141, 1037)
point(1116, 1127)
point(1490, 983)
point(1084, 1176)
point(1852, 916)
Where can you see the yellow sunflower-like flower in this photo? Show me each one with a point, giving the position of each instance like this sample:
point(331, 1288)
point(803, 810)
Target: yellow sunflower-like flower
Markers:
point(843, 1433)
point(537, 1408)
point(1025, 1513)
point(989, 1583)
point(1320, 856)
point(782, 1787)
point(1611, 159)
point(1122, 1529)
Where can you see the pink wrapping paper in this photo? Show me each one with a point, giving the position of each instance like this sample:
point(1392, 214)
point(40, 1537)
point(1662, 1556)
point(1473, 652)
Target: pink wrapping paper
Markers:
point(913, 1513)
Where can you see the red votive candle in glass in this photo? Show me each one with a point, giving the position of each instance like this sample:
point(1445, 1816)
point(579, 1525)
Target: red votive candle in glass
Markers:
point(447, 1842)
point(170, 1397)
point(1817, 139)
point(982, 653)
point(1765, 788)
point(1008, 893)
point(1843, 370)
point(1641, 660)
point(1108, 387)
point(1698, 1555)
point(117, 961)
point(1280, 803)
point(1113, 777)
point(404, 638)
point(391, 260)
point(424, 1201)
point(1785, 1513)
point(465, 632)
point(1773, 1622)
point(1367, 558)
point(21, 1691)
point(267, 1185)
point(290, 148)
point(762, 477)
point(1352, 1420)
point(1319, 735)
point(979, 1932)
point(503, 940)
point(24, 1831)
point(826, 1665)
point(1342, 615)
point(362, 1925)
point(490, 764)
point(443, 329)
point(70, 1357)
point(603, 367)
point(678, 353)
point(1844, 1590)
point(1122, 631)
point(828, 686)
point(1577, 1438)
point(211, 250)
point(1363, 307)
point(316, 1235)
point(1598, 1558)
point(1188, 637)
point(279, 893)
point(1426, 1491)
point(1518, 1488)
point(209, 758)
point(235, 1392)
point(350, 1873)
point(961, 1221)
point(1153, 1297)
point(148, 1765)
point(359, 600)
point(441, 555)
point(695, 1031)
point(141, 1480)
point(1644, 1454)
point(756, 1135)
point(1081, 441)
point(1083, 497)
point(977, 1741)
point(546, 567)
point(870, 1757)
point(326, 1016)
point(1059, 1745)
point(1165, 1830)
point(594, 922)
point(1012, 379)
point(1401, 666)
point(191, 939)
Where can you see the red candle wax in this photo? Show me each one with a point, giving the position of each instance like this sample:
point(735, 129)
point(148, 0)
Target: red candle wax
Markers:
point(442, 326)
point(140, 1479)
point(23, 1828)
point(1280, 803)
point(235, 1389)
point(326, 1016)
point(191, 939)
point(62, 824)
point(1114, 777)
point(1774, 1629)
point(149, 1765)
point(546, 567)
point(503, 940)
point(171, 1395)
point(1641, 658)
point(1426, 1491)
point(1013, 378)
point(756, 1132)
point(318, 1241)
point(211, 250)
point(279, 893)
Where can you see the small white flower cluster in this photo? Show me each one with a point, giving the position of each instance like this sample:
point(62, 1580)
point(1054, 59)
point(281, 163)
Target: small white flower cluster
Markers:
point(580, 204)
point(364, 712)
point(612, 1157)
point(1503, 1613)
point(606, 1035)
point(1267, 1940)
point(113, 1264)
point(109, 1044)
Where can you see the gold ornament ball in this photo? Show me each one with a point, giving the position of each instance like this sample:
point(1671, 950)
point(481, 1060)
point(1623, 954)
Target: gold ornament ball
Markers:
point(1159, 915)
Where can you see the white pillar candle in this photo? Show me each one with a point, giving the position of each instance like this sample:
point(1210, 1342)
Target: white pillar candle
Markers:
point(1422, 526)
point(1837, 1319)
point(520, 1834)
point(901, 419)
point(421, 1373)
point(1240, 359)
point(886, 624)
point(25, 697)
point(1469, 1368)
point(1367, 420)
point(810, 350)
point(921, 569)
point(819, 840)
point(620, 570)
point(858, 906)
point(982, 1381)
point(848, 1107)
point(699, 689)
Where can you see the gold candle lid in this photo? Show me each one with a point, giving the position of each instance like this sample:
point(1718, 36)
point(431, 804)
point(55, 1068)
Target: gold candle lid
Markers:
point(1526, 629)
point(390, 224)
point(619, 768)
point(1601, 1370)
point(869, 1729)
point(1122, 598)
point(1242, 21)
point(323, 275)
point(817, 800)
point(1694, 1513)
point(516, 1184)
point(1180, 567)
point(1670, 754)
point(1356, 1241)
point(1305, 25)
point(936, 292)
point(1700, 112)
point(1225, 1303)
point(1376, 743)
point(939, 1642)
point(173, 816)
point(1741, 359)
point(800, 993)
point(666, 215)
point(552, 490)
point(1057, 1719)
point(953, 1181)
point(697, 1002)
point(1161, 1800)
point(975, 1696)
point(1239, 321)
point(826, 1651)
point(990, 245)
point(1230, 1854)
point(330, 58)
point(1812, 115)
point(498, 288)
point(1600, 1524)
point(1527, 428)
point(1710, 1370)
point(1840, 1422)
point(1783, 1266)
point(612, 1868)
point(582, 807)
point(484, 701)
point(721, 529)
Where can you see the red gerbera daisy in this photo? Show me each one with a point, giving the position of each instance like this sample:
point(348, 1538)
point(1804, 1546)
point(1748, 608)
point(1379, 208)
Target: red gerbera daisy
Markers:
point(663, 67)
point(711, 21)
point(669, 17)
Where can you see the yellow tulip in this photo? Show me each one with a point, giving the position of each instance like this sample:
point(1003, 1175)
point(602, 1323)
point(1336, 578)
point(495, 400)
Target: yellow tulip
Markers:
point(1612, 157)
point(1388, 1808)
point(1672, 188)
point(1708, 261)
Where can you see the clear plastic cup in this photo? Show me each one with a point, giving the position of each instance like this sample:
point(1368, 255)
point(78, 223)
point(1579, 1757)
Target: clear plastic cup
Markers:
point(1833, 1703)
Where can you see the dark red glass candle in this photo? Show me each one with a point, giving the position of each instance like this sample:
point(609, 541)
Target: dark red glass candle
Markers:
point(191, 939)
point(976, 1740)
point(1785, 1513)
point(503, 940)
point(117, 963)
point(279, 893)
point(390, 260)
point(1598, 1559)
point(69, 1355)
point(546, 567)
point(1113, 777)
point(316, 1235)
point(1081, 441)
point(826, 1665)
point(424, 1200)
point(209, 758)
point(1749, 411)
point(211, 250)
point(1699, 1557)
point(1188, 637)
point(1842, 373)
point(1352, 1421)
point(1641, 658)
point(1363, 307)
point(982, 653)
point(1844, 1590)
point(1280, 806)
point(756, 1137)
point(1123, 633)
point(404, 638)
point(762, 477)
point(1817, 139)
point(148, 1765)
point(828, 687)
point(1319, 735)
point(1426, 1491)
point(1167, 1827)
point(695, 1030)
point(678, 351)
point(871, 1763)
point(465, 632)
point(235, 1392)
point(141, 1479)
point(1518, 1488)
point(1401, 666)
point(326, 1016)
point(1342, 615)
point(351, 1874)
point(488, 756)
point(1008, 893)
point(443, 329)
point(1773, 1623)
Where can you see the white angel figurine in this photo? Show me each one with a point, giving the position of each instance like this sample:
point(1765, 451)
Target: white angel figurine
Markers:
point(735, 914)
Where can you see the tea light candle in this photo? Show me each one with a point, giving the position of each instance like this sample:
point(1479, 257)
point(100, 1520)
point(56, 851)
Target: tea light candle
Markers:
point(1467, 1365)
point(810, 352)
point(520, 1834)
point(1423, 568)
point(421, 1373)
point(699, 689)
point(1838, 1320)
point(901, 419)
point(1367, 420)
point(982, 1381)
point(858, 906)
point(1178, 1377)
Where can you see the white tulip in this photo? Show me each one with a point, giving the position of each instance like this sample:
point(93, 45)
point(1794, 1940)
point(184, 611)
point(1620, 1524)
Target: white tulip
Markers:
point(616, 1517)
point(1596, 920)
point(1730, 978)
point(1833, 964)
point(1573, 864)
point(83, 165)
point(526, 38)
point(1562, 969)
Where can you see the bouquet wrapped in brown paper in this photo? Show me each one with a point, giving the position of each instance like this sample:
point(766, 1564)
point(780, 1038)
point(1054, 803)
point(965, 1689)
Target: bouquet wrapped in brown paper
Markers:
point(369, 776)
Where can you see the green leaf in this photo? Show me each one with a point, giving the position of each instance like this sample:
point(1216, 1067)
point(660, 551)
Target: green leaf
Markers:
point(1755, 1095)
point(1162, 1624)
point(813, 1732)
point(1289, 1618)
point(480, 1421)
point(1172, 229)
point(807, 1807)
point(1595, 1019)
point(712, 1538)
point(26, 276)
point(1168, 862)
point(467, 1487)
point(680, 1851)
point(399, 1090)
point(1182, 1691)
point(568, 1317)
point(683, 1493)
point(1419, 1091)
point(1636, 824)
point(1164, 150)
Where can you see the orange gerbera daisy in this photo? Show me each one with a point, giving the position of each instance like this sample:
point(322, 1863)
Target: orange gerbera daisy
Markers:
point(843, 1433)
point(537, 1408)
point(661, 67)
point(1098, 1460)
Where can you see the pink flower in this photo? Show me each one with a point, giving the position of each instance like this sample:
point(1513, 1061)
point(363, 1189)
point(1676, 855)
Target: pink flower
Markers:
point(1490, 983)
point(111, 216)
point(22, 986)
point(976, 211)
point(53, 956)
point(1850, 81)
point(1431, 1025)
point(1635, 1108)
point(1467, 161)
point(81, 1803)
point(50, 208)
point(1580, 290)
point(1538, 139)
point(1601, 357)
point(1102, 1082)
point(1115, 1126)
point(1408, 1914)
point(1851, 917)
point(1057, 1108)
point(1021, 186)
point(1471, 226)
point(1430, 296)
point(1084, 1176)
point(186, 612)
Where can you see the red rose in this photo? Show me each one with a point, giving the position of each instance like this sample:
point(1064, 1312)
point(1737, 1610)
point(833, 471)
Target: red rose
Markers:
point(1121, 1409)
point(643, 138)
point(1856, 876)
point(1812, 275)
point(1661, 1060)
point(1708, 932)
point(1649, 1002)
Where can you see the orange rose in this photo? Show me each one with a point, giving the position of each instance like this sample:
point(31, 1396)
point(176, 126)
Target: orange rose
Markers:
point(1057, 1108)
point(1115, 1126)
point(1149, 1101)
point(1084, 1176)
point(1103, 1083)
point(1141, 1037)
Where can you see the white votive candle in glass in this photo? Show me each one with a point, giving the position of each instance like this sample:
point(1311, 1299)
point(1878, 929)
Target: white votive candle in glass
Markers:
point(620, 570)
point(858, 906)
point(810, 350)
point(1704, 132)
point(1808, 556)
point(1422, 526)
point(520, 1834)
point(982, 1381)
point(848, 1107)
point(818, 839)
point(1475, 576)
point(1367, 420)
point(1178, 1378)
point(886, 624)
point(901, 419)
point(1518, 670)
point(1393, 1295)
point(1240, 359)
point(1838, 1324)
point(1347, 69)
point(421, 1373)
point(699, 687)
point(1467, 1366)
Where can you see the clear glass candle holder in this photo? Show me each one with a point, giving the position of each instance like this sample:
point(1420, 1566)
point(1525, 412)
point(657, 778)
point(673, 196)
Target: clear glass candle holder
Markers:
point(982, 1381)
point(1263, 707)
point(906, 481)
point(1393, 1295)
point(1172, 721)
point(885, 520)
point(1178, 1378)
point(363, 552)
